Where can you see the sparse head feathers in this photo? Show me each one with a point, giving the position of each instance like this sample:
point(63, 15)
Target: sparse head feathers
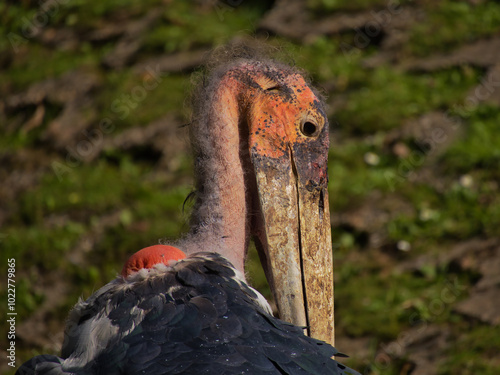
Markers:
point(248, 56)
point(221, 110)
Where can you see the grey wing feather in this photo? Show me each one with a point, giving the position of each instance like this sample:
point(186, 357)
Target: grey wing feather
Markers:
point(42, 365)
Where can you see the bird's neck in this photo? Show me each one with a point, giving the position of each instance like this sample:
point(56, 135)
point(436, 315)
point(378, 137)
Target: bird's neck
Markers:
point(220, 220)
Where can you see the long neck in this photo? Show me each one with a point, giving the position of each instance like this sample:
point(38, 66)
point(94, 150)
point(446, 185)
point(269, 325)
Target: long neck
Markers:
point(220, 222)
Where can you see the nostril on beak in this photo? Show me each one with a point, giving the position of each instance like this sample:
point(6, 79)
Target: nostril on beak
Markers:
point(312, 185)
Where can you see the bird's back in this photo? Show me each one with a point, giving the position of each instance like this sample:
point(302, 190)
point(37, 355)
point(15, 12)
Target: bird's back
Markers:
point(196, 317)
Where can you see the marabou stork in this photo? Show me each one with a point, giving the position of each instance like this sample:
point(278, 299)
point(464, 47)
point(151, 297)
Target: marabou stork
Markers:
point(260, 137)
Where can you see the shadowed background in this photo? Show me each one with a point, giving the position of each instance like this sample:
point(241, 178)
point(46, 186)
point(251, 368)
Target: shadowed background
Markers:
point(95, 163)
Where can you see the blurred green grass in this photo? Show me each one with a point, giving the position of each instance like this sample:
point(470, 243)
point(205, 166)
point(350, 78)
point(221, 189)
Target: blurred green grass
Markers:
point(51, 218)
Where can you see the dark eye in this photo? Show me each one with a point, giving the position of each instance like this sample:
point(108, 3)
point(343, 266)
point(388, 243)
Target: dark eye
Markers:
point(309, 129)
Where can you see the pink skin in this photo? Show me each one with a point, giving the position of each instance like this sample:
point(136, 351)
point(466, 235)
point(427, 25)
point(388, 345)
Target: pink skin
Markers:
point(223, 210)
point(226, 213)
point(221, 216)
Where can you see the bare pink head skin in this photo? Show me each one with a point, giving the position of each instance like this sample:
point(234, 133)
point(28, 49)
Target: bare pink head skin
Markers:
point(260, 139)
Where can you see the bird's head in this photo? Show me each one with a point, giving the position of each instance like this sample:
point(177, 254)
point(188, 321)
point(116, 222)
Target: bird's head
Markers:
point(283, 133)
point(260, 136)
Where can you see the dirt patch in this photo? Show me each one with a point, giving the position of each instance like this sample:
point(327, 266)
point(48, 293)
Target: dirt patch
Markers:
point(476, 256)
point(368, 220)
point(482, 306)
point(131, 42)
point(482, 53)
point(174, 63)
point(70, 94)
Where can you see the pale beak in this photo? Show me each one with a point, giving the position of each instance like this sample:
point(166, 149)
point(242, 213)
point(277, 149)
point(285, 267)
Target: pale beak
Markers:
point(296, 243)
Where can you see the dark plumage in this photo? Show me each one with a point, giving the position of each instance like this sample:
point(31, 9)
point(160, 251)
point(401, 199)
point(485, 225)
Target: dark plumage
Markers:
point(196, 317)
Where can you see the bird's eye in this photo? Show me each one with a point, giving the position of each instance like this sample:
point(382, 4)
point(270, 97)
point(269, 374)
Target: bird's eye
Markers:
point(275, 88)
point(309, 129)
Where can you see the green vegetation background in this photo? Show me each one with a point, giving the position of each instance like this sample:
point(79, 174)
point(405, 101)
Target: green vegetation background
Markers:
point(119, 202)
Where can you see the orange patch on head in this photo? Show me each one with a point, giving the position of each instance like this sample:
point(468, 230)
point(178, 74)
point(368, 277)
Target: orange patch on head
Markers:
point(149, 256)
point(275, 120)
